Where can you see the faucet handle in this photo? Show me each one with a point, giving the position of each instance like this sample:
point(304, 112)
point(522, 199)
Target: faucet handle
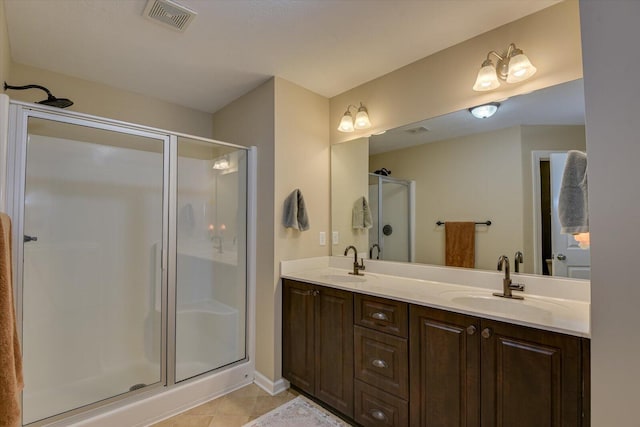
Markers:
point(361, 266)
point(517, 287)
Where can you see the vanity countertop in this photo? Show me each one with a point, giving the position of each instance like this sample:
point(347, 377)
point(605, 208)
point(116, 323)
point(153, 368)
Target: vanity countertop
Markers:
point(553, 304)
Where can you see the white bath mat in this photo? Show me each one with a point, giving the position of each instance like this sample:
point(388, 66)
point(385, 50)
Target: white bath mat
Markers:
point(299, 412)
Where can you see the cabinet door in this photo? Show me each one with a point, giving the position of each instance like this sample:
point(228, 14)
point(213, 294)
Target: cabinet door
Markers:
point(529, 377)
point(334, 349)
point(298, 354)
point(444, 364)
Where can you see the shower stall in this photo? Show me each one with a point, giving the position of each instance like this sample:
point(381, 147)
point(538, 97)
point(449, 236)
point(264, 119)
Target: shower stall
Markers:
point(132, 262)
point(392, 206)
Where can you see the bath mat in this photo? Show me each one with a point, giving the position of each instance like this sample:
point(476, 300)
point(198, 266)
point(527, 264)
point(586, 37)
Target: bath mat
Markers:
point(299, 412)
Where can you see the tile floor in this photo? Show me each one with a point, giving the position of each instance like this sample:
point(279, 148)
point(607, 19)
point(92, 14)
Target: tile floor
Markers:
point(231, 410)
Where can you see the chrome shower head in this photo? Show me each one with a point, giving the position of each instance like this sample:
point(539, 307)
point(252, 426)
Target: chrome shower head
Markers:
point(51, 100)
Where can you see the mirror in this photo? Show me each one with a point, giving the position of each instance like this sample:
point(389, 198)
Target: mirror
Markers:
point(459, 168)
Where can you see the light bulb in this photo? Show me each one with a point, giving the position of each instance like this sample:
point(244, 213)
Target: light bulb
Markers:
point(346, 123)
point(520, 68)
point(487, 78)
point(362, 118)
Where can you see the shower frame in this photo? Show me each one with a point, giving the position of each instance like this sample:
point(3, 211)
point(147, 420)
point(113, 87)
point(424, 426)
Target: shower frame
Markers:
point(154, 397)
point(411, 220)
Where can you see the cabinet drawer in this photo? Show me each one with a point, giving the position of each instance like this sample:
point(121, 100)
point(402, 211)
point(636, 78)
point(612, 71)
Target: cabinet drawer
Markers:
point(375, 408)
point(381, 314)
point(381, 360)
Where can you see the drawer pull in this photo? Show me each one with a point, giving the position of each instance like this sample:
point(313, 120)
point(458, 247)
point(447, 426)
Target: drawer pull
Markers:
point(379, 316)
point(378, 363)
point(378, 415)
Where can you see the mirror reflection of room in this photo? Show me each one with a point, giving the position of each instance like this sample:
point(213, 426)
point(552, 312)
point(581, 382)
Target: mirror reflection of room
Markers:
point(505, 170)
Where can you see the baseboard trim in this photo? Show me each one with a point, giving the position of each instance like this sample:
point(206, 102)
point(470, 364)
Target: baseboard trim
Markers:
point(271, 387)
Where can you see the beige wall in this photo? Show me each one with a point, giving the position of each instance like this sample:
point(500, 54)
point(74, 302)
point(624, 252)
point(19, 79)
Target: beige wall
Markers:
point(441, 83)
point(302, 156)
point(463, 179)
point(612, 111)
point(289, 125)
point(5, 53)
point(249, 121)
point(106, 101)
point(541, 138)
point(349, 175)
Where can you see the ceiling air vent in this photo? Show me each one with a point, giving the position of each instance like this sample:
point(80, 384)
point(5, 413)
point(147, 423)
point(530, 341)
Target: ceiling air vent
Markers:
point(169, 13)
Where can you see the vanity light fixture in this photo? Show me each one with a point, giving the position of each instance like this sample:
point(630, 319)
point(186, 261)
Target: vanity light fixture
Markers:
point(484, 111)
point(347, 124)
point(512, 67)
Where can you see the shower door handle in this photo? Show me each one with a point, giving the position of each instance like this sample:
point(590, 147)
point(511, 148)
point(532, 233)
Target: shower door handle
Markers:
point(30, 238)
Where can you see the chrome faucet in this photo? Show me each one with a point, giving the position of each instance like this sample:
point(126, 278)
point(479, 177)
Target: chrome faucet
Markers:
point(375, 245)
point(518, 258)
point(503, 262)
point(356, 267)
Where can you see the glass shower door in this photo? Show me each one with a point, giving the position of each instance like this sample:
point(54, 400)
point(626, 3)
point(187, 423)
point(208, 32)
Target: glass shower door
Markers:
point(390, 205)
point(92, 272)
point(211, 257)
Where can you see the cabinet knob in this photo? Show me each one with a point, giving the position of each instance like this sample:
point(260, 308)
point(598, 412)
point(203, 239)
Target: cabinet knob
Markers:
point(378, 415)
point(471, 330)
point(487, 332)
point(379, 363)
point(379, 316)
point(316, 293)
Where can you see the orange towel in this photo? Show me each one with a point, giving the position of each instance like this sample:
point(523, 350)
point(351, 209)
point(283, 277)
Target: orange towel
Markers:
point(460, 243)
point(10, 360)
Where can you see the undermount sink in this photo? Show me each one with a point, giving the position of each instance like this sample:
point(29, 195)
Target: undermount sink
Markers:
point(346, 278)
point(517, 307)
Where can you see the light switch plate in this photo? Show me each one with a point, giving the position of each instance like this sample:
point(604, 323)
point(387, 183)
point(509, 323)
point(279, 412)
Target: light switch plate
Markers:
point(335, 238)
point(323, 238)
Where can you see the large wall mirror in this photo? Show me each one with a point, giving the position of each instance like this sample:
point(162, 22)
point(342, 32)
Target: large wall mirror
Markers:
point(505, 169)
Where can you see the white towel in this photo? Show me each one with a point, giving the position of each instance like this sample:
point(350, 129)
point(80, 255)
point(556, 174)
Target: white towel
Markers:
point(295, 212)
point(361, 217)
point(573, 210)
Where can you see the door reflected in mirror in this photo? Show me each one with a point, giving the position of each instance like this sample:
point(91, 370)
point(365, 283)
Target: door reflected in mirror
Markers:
point(459, 168)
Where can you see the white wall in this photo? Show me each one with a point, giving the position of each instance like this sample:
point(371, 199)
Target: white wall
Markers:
point(610, 32)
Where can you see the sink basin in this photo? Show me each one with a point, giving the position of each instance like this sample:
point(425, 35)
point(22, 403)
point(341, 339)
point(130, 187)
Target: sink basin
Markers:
point(344, 278)
point(489, 303)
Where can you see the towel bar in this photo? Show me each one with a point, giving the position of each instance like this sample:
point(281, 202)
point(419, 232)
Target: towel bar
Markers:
point(487, 223)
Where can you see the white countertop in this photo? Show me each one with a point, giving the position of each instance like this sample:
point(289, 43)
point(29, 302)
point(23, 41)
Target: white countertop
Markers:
point(553, 304)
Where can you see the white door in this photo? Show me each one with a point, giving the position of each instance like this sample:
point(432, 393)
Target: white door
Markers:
point(569, 259)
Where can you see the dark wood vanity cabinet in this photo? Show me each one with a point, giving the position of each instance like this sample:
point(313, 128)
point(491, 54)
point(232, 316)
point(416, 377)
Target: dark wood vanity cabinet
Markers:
point(317, 335)
point(467, 371)
point(388, 363)
point(445, 368)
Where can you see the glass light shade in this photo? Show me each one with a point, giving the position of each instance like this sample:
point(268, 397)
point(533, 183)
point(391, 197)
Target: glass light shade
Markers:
point(362, 119)
point(520, 68)
point(487, 78)
point(484, 111)
point(346, 123)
